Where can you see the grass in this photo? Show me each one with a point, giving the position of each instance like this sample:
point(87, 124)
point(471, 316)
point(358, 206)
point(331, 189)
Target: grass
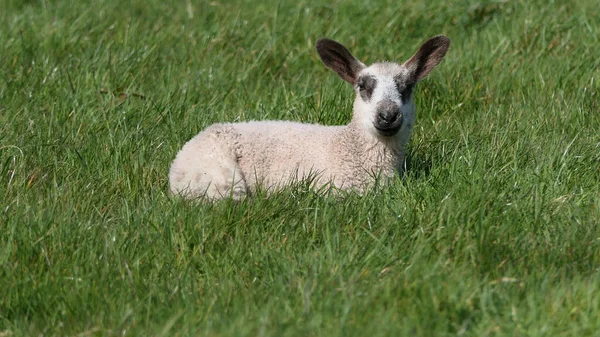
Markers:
point(493, 231)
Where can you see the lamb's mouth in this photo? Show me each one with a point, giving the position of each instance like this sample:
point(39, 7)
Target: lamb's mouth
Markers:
point(388, 129)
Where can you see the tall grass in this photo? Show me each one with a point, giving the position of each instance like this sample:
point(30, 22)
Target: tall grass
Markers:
point(493, 230)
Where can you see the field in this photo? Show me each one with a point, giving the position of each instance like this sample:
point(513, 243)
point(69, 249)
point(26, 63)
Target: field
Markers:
point(493, 229)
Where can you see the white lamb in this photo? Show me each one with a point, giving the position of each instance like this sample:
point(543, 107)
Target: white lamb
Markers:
point(233, 159)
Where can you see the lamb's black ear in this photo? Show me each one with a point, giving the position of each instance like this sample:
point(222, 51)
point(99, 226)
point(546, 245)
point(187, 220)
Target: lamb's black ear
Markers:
point(430, 54)
point(338, 58)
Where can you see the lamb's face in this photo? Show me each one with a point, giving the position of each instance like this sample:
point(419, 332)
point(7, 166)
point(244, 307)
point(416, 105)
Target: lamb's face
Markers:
point(384, 103)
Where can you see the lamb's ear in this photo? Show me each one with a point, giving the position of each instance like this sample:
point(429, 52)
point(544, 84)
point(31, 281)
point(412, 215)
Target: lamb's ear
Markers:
point(338, 58)
point(428, 57)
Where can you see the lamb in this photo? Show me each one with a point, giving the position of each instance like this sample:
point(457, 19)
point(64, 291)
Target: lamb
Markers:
point(231, 160)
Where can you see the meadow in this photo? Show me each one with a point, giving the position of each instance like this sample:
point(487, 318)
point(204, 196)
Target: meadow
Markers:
point(492, 230)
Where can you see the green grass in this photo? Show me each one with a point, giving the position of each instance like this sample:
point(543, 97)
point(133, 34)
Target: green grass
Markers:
point(493, 231)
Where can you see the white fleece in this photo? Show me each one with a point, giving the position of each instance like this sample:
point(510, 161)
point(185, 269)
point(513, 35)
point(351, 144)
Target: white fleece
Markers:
point(233, 159)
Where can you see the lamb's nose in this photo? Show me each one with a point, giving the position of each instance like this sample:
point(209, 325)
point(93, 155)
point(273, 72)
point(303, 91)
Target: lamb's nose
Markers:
point(388, 111)
point(386, 116)
point(389, 115)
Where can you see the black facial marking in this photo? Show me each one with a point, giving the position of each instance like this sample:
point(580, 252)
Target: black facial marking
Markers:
point(405, 89)
point(366, 84)
point(406, 93)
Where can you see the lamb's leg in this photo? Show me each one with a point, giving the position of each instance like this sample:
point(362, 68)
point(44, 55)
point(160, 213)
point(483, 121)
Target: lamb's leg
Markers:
point(207, 167)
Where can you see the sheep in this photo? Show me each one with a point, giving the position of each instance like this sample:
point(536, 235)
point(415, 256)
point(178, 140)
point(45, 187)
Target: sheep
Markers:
point(231, 160)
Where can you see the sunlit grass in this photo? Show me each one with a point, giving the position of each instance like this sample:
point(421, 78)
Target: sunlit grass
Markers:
point(493, 229)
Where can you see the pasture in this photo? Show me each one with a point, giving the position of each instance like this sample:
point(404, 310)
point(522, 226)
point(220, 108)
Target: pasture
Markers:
point(493, 229)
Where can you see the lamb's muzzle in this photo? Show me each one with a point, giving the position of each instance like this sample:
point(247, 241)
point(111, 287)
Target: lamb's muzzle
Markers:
point(389, 118)
point(233, 159)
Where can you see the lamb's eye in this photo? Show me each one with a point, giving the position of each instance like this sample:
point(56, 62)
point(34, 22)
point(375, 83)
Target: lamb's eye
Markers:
point(400, 86)
point(361, 84)
point(406, 92)
point(366, 84)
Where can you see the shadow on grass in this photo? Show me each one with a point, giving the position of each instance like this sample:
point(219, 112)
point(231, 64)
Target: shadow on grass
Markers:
point(417, 164)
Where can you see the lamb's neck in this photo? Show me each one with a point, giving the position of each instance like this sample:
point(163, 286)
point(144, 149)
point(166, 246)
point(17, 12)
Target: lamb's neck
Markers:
point(371, 152)
point(371, 140)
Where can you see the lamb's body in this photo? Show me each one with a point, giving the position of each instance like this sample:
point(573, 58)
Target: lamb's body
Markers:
point(233, 159)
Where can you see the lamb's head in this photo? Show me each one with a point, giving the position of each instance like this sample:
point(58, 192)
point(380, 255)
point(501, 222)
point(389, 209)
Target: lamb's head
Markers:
point(384, 104)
